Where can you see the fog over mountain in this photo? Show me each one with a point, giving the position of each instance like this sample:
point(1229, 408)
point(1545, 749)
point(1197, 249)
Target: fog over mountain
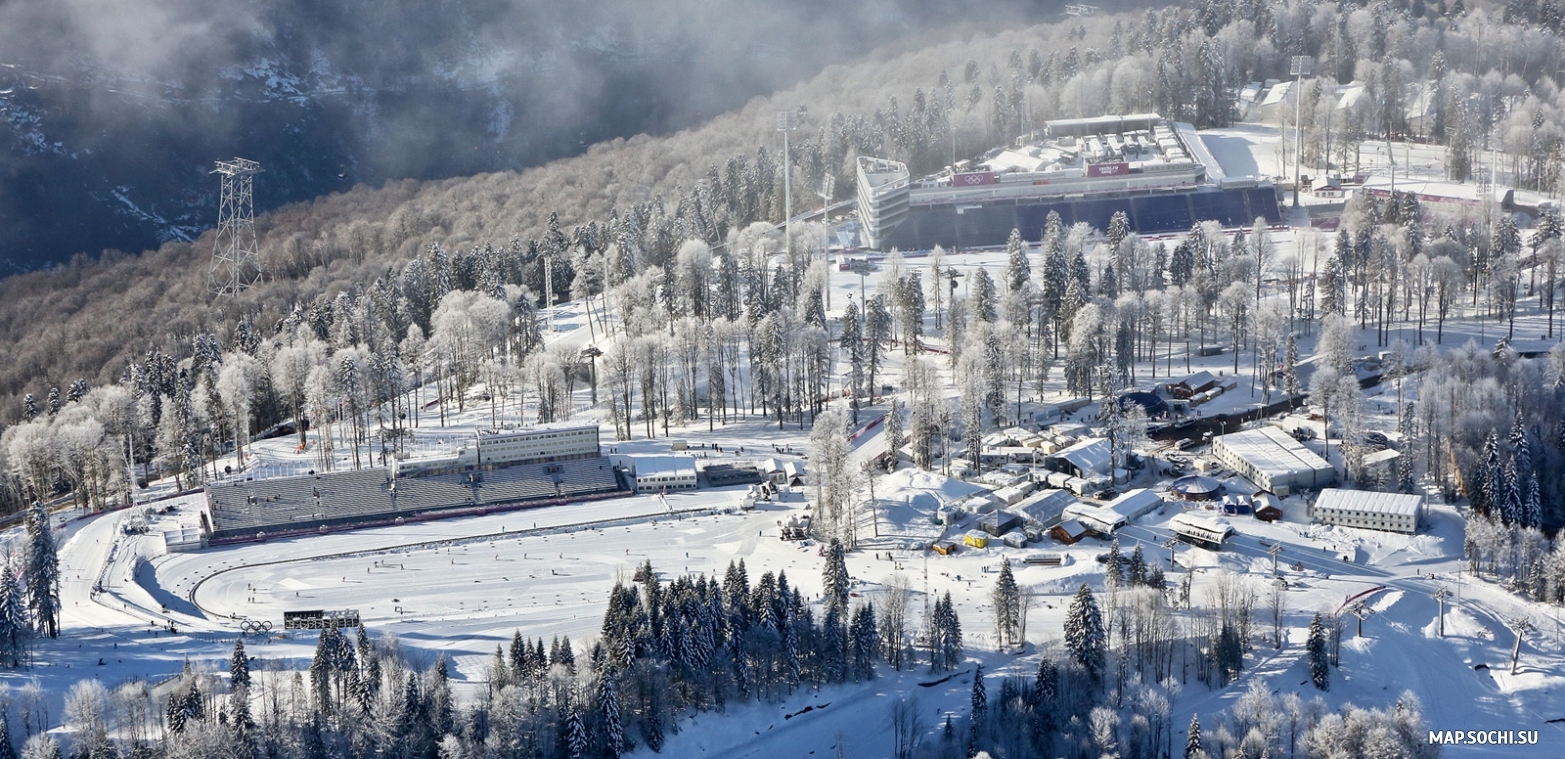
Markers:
point(112, 111)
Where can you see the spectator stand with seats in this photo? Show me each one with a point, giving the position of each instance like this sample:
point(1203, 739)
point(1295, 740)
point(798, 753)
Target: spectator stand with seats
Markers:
point(556, 468)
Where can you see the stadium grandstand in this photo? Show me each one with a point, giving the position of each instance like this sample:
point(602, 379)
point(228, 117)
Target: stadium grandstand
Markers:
point(1158, 172)
point(494, 471)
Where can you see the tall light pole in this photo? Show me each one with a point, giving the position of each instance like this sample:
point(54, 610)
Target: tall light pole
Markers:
point(828, 185)
point(787, 121)
point(1299, 68)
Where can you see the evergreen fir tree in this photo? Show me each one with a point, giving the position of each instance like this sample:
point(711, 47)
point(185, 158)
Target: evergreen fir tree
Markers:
point(833, 650)
point(1007, 598)
point(1136, 568)
point(834, 577)
point(15, 632)
point(1155, 577)
point(575, 735)
point(42, 573)
point(1045, 687)
point(1491, 483)
point(980, 703)
point(1018, 270)
point(609, 717)
point(1084, 634)
point(1114, 568)
point(174, 714)
point(1193, 748)
point(1320, 672)
point(7, 751)
point(239, 666)
point(1532, 507)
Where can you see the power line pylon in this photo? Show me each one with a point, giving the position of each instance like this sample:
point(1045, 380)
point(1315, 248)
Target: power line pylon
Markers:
point(235, 263)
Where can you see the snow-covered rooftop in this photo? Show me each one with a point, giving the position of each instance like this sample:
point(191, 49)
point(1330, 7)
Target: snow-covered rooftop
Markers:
point(1395, 504)
point(664, 466)
point(1272, 451)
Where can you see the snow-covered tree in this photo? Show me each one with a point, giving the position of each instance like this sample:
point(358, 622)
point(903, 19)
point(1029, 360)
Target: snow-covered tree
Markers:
point(15, 629)
point(1085, 636)
point(41, 573)
point(1320, 668)
point(1007, 599)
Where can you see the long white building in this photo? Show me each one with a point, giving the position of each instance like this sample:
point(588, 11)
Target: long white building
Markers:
point(1392, 512)
point(1273, 460)
point(491, 450)
point(656, 474)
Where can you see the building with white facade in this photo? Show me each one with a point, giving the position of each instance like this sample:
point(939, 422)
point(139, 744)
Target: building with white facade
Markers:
point(656, 474)
point(1392, 512)
point(1272, 459)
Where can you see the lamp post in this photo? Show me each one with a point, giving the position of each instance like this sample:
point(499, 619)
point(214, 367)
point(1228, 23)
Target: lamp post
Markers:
point(1299, 67)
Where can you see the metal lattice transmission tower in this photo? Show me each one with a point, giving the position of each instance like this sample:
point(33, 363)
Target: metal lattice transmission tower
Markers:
point(235, 262)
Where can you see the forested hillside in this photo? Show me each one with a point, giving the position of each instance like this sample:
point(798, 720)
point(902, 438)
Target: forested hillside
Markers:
point(357, 270)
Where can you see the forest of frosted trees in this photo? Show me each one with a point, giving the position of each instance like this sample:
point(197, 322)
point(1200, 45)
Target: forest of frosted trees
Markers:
point(671, 649)
point(378, 303)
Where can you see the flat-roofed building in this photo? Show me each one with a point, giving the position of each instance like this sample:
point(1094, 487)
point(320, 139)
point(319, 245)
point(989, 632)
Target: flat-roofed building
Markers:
point(1392, 512)
point(1272, 459)
point(655, 474)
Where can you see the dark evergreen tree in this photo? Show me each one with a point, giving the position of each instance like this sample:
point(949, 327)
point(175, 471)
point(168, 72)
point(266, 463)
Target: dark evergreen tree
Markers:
point(1320, 672)
point(1084, 634)
point(41, 573)
point(575, 735)
point(1136, 568)
point(834, 577)
point(613, 730)
point(239, 666)
point(980, 705)
point(1007, 599)
point(1193, 749)
point(15, 629)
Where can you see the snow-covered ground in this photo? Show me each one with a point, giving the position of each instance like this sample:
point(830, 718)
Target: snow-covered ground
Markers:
point(461, 586)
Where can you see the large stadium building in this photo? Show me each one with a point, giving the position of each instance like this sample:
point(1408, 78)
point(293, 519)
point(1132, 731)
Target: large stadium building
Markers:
point(1158, 172)
point(493, 471)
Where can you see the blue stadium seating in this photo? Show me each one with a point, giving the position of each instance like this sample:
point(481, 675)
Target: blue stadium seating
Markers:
point(1226, 207)
point(1149, 214)
point(1098, 212)
point(1162, 213)
point(1263, 202)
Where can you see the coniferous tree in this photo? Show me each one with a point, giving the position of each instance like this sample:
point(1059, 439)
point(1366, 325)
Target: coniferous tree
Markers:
point(1045, 687)
point(1007, 599)
point(609, 716)
point(1084, 633)
point(239, 666)
point(42, 573)
point(1136, 568)
point(1489, 488)
point(1320, 671)
point(834, 577)
point(1193, 749)
point(15, 632)
point(575, 735)
point(7, 751)
point(979, 703)
point(1114, 568)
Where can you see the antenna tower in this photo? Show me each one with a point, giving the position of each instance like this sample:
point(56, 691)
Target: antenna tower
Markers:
point(235, 264)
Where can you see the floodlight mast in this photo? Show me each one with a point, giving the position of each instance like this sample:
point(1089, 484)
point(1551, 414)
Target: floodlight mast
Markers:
point(1299, 67)
point(235, 263)
point(787, 121)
